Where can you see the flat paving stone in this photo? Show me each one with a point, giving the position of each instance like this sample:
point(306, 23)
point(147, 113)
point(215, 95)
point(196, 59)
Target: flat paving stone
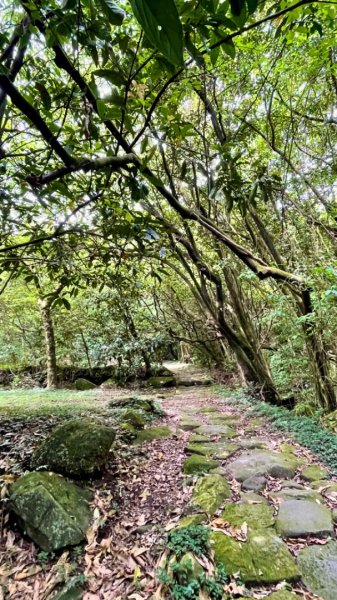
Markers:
point(314, 472)
point(296, 494)
point(257, 516)
point(196, 464)
point(210, 492)
point(252, 443)
point(219, 450)
point(257, 483)
point(263, 558)
point(221, 430)
point(186, 425)
point(302, 518)
point(263, 462)
point(318, 567)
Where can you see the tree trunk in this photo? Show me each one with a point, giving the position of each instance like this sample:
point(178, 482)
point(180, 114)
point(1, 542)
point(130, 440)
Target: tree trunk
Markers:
point(50, 343)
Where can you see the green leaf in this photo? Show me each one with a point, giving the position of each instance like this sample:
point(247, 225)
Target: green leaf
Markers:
point(112, 12)
point(229, 48)
point(161, 24)
point(252, 6)
point(115, 77)
point(237, 6)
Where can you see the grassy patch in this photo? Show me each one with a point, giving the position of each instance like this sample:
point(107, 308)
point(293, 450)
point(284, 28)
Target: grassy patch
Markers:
point(307, 431)
point(49, 402)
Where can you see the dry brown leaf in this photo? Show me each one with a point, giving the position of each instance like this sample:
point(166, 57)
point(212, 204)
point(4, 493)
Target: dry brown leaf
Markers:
point(28, 572)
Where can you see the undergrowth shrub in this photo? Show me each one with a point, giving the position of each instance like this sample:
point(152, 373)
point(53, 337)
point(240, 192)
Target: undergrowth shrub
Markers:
point(194, 538)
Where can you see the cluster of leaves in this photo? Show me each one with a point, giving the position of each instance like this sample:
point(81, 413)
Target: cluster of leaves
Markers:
point(182, 587)
point(194, 538)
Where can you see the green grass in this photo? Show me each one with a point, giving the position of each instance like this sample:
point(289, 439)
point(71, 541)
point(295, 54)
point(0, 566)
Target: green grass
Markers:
point(49, 402)
point(307, 431)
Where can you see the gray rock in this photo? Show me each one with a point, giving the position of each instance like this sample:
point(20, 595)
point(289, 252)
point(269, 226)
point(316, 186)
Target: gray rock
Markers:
point(82, 385)
point(252, 443)
point(302, 518)
point(254, 484)
point(53, 512)
point(296, 494)
point(263, 462)
point(318, 567)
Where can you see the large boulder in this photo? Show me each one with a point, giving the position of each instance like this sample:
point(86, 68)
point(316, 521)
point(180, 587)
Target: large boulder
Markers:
point(158, 382)
point(82, 385)
point(78, 448)
point(53, 512)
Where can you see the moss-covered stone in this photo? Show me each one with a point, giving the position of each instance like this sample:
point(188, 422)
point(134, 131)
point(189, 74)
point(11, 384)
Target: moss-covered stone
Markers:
point(222, 431)
point(195, 464)
point(82, 385)
point(283, 595)
point(296, 494)
point(257, 483)
point(196, 438)
point(314, 472)
point(78, 448)
point(191, 520)
point(190, 569)
point(328, 486)
point(264, 558)
point(71, 591)
point(188, 425)
point(318, 566)
point(219, 450)
point(53, 512)
point(257, 516)
point(209, 408)
point(210, 492)
point(135, 402)
point(262, 462)
point(152, 433)
point(161, 382)
point(134, 417)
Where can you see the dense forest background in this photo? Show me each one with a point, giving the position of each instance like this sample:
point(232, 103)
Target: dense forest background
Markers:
point(167, 175)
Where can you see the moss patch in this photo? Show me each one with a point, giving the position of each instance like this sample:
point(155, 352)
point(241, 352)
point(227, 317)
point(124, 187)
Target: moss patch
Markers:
point(257, 516)
point(210, 492)
point(152, 433)
point(196, 464)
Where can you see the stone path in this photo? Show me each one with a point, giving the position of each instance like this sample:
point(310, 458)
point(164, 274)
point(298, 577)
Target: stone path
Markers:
point(270, 509)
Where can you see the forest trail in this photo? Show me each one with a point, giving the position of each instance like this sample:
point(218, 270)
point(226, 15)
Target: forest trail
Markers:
point(268, 517)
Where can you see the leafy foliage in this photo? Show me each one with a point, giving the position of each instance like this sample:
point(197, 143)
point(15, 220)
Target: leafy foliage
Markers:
point(194, 538)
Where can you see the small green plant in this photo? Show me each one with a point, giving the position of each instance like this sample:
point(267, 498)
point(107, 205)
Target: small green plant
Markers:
point(181, 587)
point(44, 557)
point(194, 538)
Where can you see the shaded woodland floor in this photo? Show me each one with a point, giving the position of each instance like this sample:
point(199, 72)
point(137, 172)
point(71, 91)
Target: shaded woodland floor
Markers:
point(147, 489)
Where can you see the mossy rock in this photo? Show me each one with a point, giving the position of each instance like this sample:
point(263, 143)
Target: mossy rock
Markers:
point(152, 433)
point(313, 473)
point(190, 569)
point(296, 494)
point(209, 408)
point(161, 382)
point(136, 402)
point(53, 512)
point(187, 425)
point(134, 418)
point(283, 595)
point(82, 385)
point(263, 462)
point(329, 486)
point(257, 516)
point(196, 438)
point(303, 518)
point(71, 591)
point(222, 431)
point(197, 519)
point(78, 448)
point(196, 464)
point(210, 492)
point(108, 384)
point(219, 450)
point(318, 566)
point(263, 558)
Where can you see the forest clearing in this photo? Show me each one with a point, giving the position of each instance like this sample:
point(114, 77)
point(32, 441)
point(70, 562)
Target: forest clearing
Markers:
point(168, 293)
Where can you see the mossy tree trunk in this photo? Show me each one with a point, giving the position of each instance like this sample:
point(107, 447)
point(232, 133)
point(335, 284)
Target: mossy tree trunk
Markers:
point(49, 336)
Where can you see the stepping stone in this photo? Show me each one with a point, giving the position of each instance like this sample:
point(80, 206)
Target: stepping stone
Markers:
point(252, 443)
point(264, 558)
point(209, 409)
point(263, 462)
point(195, 464)
point(222, 419)
point(219, 450)
point(314, 472)
point(152, 433)
point(329, 486)
point(283, 595)
point(302, 518)
point(191, 520)
point(219, 430)
point(296, 494)
point(257, 516)
point(256, 483)
point(252, 498)
point(210, 492)
point(318, 567)
point(196, 438)
point(186, 425)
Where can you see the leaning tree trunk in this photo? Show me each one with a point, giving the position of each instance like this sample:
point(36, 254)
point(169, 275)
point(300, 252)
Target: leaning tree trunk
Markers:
point(49, 336)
